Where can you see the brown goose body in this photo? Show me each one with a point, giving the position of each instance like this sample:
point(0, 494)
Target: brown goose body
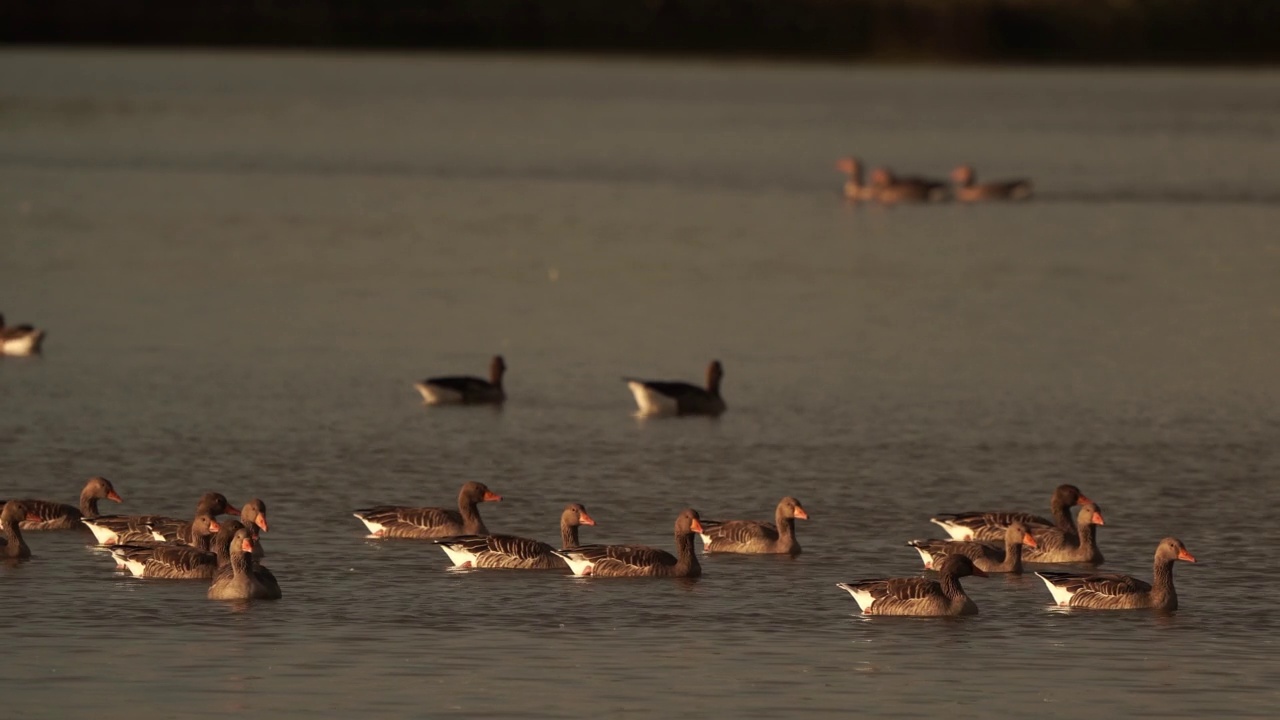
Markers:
point(240, 581)
point(513, 552)
point(673, 397)
point(854, 187)
point(1055, 546)
point(991, 526)
point(918, 596)
point(754, 537)
point(138, 529)
point(640, 560)
point(429, 523)
point(987, 558)
point(12, 544)
point(20, 340)
point(1121, 592)
point(169, 529)
point(968, 189)
point(466, 389)
point(889, 189)
point(195, 561)
point(261, 573)
point(54, 515)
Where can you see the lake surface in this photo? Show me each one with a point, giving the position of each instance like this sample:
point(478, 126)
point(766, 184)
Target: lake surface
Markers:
point(245, 260)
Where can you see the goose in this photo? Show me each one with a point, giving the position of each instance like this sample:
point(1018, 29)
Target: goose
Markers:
point(52, 515)
point(918, 596)
point(254, 515)
point(990, 526)
point(750, 536)
point(888, 189)
point(225, 572)
point(639, 560)
point(134, 529)
point(466, 389)
point(242, 583)
point(967, 189)
point(854, 187)
point(12, 545)
point(669, 397)
point(516, 553)
point(174, 562)
point(987, 558)
point(426, 523)
point(20, 340)
point(1121, 592)
point(1056, 546)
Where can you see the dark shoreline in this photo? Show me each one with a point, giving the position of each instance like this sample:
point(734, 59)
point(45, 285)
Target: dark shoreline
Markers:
point(1164, 32)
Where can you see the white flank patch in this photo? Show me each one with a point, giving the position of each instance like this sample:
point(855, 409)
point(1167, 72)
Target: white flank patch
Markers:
point(436, 395)
point(957, 532)
point(105, 536)
point(460, 556)
point(579, 565)
point(1062, 596)
point(374, 528)
point(650, 402)
point(706, 540)
point(862, 597)
point(24, 345)
point(926, 557)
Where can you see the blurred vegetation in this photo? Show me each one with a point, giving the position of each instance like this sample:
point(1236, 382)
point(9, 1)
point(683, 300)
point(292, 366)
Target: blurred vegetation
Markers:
point(1075, 31)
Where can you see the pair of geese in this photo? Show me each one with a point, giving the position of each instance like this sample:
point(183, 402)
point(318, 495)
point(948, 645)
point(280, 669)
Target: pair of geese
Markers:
point(653, 397)
point(887, 188)
point(465, 539)
point(156, 546)
point(19, 340)
point(969, 552)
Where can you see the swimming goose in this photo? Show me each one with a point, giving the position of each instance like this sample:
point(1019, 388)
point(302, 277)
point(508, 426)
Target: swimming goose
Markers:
point(987, 558)
point(254, 515)
point(242, 583)
point(990, 526)
point(426, 523)
point(967, 189)
point(195, 561)
point(750, 536)
point(854, 187)
point(639, 560)
point(134, 529)
point(1121, 592)
point(888, 189)
point(12, 545)
point(222, 545)
point(918, 596)
point(668, 397)
point(51, 515)
point(1055, 546)
point(19, 339)
point(466, 389)
point(516, 553)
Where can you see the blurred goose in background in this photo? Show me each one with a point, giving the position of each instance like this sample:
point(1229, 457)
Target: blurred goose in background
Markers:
point(854, 187)
point(968, 189)
point(428, 523)
point(640, 560)
point(513, 552)
point(917, 596)
point(1121, 592)
point(19, 339)
point(751, 536)
point(889, 189)
point(672, 397)
point(466, 389)
point(52, 515)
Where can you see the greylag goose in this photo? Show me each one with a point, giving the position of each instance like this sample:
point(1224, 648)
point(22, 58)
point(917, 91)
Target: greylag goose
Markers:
point(19, 339)
point(53, 515)
point(427, 523)
point(242, 583)
point(888, 189)
point(516, 553)
point(254, 515)
point(918, 596)
point(639, 560)
point(967, 188)
point(466, 389)
point(990, 526)
point(133, 529)
point(12, 545)
point(669, 397)
point(174, 562)
point(260, 571)
point(750, 536)
point(854, 187)
point(987, 558)
point(1055, 546)
point(1121, 592)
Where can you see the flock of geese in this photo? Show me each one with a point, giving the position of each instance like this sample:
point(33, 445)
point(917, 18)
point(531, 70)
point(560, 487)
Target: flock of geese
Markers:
point(227, 553)
point(889, 189)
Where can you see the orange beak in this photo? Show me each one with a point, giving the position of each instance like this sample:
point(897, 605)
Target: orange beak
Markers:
point(491, 497)
point(232, 509)
point(247, 545)
point(800, 513)
point(113, 495)
point(261, 522)
point(214, 526)
point(1097, 519)
point(1184, 555)
point(585, 519)
point(1084, 501)
point(1028, 540)
point(696, 526)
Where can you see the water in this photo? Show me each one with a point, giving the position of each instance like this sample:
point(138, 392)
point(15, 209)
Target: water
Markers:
point(245, 260)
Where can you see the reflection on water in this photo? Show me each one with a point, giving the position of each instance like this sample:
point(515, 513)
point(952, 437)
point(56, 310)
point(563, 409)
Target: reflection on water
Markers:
point(244, 262)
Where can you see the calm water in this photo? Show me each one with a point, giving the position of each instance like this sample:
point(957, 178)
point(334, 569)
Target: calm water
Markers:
point(245, 260)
